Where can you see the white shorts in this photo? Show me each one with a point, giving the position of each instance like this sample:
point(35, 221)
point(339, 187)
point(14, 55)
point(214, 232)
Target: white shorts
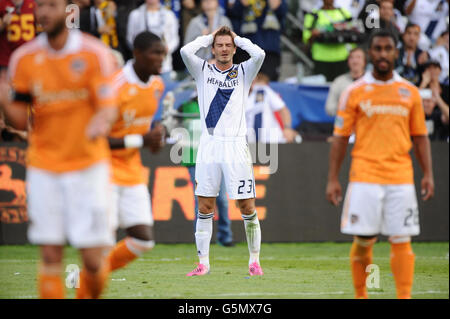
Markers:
point(229, 156)
point(371, 209)
point(70, 206)
point(131, 206)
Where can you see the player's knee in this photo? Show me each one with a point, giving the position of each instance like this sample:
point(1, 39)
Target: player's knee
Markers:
point(399, 239)
point(92, 265)
point(247, 207)
point(141, 232)
point(139, 246)
point(51, 255)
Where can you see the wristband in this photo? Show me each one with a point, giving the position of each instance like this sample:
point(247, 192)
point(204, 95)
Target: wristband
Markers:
point(133, 141)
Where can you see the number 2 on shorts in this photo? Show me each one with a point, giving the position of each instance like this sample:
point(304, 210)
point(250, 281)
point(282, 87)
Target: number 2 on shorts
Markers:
point(242, 185)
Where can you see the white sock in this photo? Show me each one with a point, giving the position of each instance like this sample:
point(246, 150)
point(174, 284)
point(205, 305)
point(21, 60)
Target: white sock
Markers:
point(203, 235)
point(253, 233)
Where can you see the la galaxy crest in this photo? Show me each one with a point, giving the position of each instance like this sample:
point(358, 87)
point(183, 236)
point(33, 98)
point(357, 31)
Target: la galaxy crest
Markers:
point(232, 74)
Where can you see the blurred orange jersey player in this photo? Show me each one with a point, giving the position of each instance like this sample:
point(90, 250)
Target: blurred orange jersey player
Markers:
point(66, 78)
point(139, 89)
point(385, 112)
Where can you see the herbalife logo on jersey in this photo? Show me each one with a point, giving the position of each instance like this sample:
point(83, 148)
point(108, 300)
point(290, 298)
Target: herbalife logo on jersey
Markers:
point(228, 83)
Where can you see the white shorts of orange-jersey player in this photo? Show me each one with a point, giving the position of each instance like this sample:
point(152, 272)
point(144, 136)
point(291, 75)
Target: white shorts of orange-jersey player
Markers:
point(71, 206)
point(131, 206)
point(371, 209)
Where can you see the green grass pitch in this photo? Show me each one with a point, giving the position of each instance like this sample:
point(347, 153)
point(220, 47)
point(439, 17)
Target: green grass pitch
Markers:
point(294, 270)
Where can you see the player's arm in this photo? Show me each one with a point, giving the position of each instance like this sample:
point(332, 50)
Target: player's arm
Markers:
point(422, 150)
point(336, 157)
point(288, 133)
point(343, 128)
point(251, 66)
point(15, 111)
point(153, 139)
point(193, 63)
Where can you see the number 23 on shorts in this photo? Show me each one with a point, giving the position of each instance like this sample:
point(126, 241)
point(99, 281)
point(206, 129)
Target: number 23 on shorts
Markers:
point(242, 188)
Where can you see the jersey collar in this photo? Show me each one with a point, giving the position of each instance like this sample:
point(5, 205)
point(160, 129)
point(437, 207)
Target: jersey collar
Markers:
point(72, 44)
point(132, 77)
point(368, 77)
point(223, 72)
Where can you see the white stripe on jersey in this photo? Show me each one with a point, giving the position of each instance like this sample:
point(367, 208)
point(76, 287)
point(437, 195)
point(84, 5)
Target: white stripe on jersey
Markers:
point(222, 95)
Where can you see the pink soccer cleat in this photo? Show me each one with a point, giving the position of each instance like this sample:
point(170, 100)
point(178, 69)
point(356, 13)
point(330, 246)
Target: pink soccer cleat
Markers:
point(199, 271)
point(255, 269)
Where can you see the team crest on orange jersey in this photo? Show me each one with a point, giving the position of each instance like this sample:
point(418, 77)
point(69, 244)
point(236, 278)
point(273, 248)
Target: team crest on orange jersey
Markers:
point(404, 92)
point(78, 66)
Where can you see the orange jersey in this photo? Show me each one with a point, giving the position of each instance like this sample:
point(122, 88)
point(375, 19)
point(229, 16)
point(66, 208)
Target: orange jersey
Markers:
point(66, 88)
point(383, 116)
point(138, 102)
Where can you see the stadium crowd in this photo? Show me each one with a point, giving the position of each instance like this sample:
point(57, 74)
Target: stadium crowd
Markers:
point(336, 26)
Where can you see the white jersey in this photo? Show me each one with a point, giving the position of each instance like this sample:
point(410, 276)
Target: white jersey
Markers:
point(430, 15)
point(262, 124)
point(222, 95)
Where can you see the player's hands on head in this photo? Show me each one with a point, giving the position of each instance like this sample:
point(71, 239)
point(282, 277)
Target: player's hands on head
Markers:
point(427, 188)
point(155, 138)
point(334, 192)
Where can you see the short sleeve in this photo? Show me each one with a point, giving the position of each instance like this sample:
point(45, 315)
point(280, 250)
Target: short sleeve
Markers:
point(276, 103)
point(346, 114)
point(18, 74)
point(102, 80)
point(417, 118)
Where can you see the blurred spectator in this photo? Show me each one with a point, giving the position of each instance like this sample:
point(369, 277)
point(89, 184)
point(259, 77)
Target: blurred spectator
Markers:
point(268, 118)
point(357, 65)
point(410, 56)
point(99, 20)
point(261, 21)
point(440, 54)
point(430, 15)
point(430, 80)
point(388, 19)
point(205, 23)
point(190, 9)
point(17, 26)
point(152, 16)
point(329, 57)
point(436, 115)
point(353, 6)
point(82, 3)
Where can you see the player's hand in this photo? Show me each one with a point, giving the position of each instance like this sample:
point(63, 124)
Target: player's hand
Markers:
point(289, 134)
point(101, 123)
point(155, 138)
point(334, 192)
point(427, 188)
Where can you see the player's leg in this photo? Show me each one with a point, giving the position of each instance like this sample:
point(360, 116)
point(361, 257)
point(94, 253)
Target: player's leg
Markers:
point(203, 233)
point(360, 257)
point(46, 229)
point(88, 224)
point(134, 214)
point(401, 221)
point(50, 272)
point(253, 234)
point(361, 217)
point(208, 175)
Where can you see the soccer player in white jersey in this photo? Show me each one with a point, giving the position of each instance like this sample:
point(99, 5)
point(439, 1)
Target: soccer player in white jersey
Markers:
point(223, 89)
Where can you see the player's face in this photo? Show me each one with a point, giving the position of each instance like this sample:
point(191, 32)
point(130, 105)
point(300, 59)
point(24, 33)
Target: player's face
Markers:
point(51, 14)
point(224, 49)
point(151, 60)
point(383, 54)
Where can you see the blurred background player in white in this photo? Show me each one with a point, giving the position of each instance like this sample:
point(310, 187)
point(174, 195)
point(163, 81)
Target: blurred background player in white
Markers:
point(385, 112)
point(65, 77)
point(139, 90)
point(223, 90)
point(268, 118)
